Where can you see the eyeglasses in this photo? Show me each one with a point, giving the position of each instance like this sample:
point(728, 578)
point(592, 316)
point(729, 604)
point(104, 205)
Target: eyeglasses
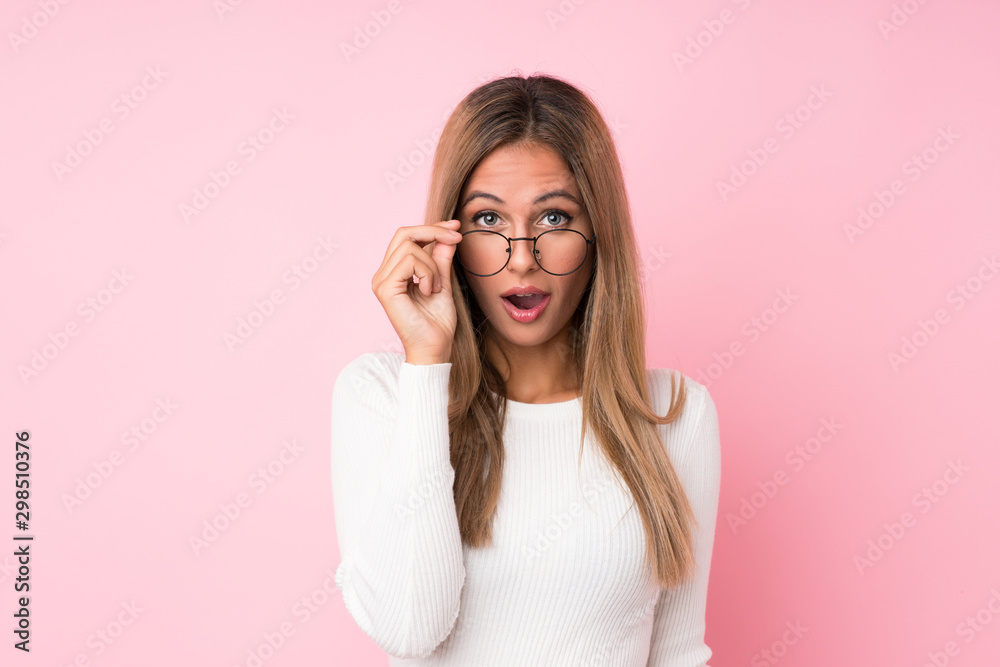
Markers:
point(483, 252)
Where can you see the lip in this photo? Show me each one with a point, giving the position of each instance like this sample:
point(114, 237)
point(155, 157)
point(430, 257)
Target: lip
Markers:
point(525, 316)
point(527, 289)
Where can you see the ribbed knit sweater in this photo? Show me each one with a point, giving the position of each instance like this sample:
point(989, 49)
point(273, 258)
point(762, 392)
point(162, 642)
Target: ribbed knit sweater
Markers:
point(564, 581)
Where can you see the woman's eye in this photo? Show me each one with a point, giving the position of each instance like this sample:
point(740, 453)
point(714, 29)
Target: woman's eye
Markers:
point(480, 217)
point(551, 218)
point(557, 215)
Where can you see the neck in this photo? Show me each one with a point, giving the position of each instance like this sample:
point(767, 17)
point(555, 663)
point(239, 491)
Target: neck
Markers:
point(544, 373)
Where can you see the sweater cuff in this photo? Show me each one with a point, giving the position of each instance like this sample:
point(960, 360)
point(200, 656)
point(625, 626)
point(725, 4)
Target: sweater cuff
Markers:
point(423, 410)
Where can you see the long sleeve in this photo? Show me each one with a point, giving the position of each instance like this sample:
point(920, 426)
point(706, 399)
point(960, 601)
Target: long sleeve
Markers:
point(678, 638)
point(401, 571)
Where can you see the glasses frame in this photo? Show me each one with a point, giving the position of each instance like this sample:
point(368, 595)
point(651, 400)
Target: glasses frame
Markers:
point(534, 249)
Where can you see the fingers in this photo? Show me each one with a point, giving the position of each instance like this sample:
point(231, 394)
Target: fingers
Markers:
point(423, 235)
point(406, 253)
point(442, 256)
point(404, 271)
point(423, 272)
point(444, 252)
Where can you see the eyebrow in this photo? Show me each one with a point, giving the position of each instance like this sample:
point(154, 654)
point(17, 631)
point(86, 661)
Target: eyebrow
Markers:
point(539, 199)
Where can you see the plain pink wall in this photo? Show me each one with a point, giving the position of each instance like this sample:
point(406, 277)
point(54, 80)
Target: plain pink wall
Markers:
point(810, 111)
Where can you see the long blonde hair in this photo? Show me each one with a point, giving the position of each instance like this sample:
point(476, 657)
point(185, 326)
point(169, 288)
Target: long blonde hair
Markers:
point(607, 344)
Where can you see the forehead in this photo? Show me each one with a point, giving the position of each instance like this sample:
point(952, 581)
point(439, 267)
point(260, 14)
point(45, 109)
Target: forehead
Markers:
point(520, 172)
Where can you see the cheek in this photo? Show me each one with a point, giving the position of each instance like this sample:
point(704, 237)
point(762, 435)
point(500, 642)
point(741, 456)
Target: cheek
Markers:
point(569, 295)
point(575, 293)
point(481, 292)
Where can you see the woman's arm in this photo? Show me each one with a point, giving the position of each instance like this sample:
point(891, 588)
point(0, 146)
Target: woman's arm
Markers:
point(679, 621)
point(402, 569)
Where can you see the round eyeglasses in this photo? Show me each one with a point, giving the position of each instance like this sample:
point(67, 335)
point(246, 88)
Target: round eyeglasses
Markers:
point(483, 252)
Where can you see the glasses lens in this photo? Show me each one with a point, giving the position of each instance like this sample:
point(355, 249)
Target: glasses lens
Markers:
point(483, 253)
point(559, 251)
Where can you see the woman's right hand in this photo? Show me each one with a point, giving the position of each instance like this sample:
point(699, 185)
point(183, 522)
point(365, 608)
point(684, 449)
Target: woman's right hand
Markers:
point(423, 314)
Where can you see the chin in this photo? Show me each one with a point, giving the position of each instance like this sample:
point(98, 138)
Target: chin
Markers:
point(523, 335)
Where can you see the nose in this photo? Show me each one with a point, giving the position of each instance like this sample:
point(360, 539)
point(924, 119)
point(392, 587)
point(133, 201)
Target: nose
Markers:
point(522, 256)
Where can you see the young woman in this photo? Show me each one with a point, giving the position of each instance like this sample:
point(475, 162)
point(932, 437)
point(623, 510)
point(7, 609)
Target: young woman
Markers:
point(507, 492)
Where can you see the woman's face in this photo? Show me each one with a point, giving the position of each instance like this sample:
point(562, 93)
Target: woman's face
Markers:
point(522, 191)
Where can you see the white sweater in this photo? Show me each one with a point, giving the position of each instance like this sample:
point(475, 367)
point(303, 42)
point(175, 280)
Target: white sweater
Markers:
point(563, 583)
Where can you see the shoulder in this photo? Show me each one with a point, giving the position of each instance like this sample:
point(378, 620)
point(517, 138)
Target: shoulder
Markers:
point(664, 382)
point(375, 363)
point(695, 433)
point(371, 378)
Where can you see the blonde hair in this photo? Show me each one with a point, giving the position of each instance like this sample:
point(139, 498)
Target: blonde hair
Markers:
point(607, 345)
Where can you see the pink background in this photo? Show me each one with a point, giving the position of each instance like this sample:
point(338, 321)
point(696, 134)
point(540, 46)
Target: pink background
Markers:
point(316, 199)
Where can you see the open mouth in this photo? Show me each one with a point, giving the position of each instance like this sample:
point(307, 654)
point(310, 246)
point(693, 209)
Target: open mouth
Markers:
point(526, 302)
point(525, 308)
